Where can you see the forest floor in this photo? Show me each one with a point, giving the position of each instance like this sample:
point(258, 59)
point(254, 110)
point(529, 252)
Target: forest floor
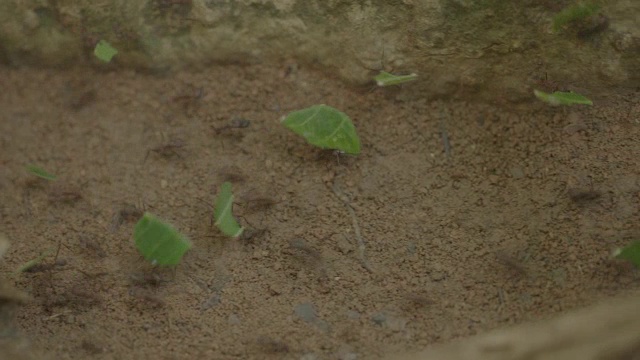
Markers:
point(470, 216)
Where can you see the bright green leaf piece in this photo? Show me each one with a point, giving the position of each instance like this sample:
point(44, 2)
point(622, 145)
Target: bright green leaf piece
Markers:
point(223, 212)
point(33, 262)
point(325, 127)
point(159, 242)
point(40, 172)
point(630, 252)
point(104, 51)
point(562, 98)
point(574, 13)
point(387, 79)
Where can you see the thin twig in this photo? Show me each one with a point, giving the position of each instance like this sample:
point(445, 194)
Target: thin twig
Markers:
point(356, 227)
point(445, 136)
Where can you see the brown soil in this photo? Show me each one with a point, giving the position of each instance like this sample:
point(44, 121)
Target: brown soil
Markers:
point(472, 217)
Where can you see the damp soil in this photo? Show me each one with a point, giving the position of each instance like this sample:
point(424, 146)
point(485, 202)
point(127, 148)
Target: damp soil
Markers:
point(456, 218)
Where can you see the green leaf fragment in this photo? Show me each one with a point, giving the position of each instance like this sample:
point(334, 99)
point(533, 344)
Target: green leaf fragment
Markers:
point(562, 98)
point(388, 79)
point(325, 127)
point(223, 212)
point(574, 13)
point(104, 51)
point(630, 253)
point(158, 242)
point(40, 172)
point(33, 262)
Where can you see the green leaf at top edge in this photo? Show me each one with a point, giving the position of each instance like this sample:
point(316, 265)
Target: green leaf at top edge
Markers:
point(574, 13)
point(40, 172)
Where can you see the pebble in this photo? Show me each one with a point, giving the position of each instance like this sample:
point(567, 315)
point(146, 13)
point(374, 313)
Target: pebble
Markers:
point(411, 248)
point(343, 245)
point(379, 318)
point(517, 172)
point(396, 323)
point(31, 20)
point(275, 289)
point(213, 301)
point(352, 314)
point(234, 319)
point(306, 312)
point(345, 352)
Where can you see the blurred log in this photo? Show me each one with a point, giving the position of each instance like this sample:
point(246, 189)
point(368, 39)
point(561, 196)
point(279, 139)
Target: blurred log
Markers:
point(609, 330)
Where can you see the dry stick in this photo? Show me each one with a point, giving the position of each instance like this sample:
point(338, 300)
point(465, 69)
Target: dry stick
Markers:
point(361, 247)
point(445, 136)
point(55, 259)
point(567, 336)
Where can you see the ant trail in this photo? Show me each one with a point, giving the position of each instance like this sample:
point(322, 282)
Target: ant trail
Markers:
point(512, 262)
point(235, 123)
point(309, 256)
point(55, 258)
point(272, 346)
point(167, 150)
point(361, 245)
point(417, 129)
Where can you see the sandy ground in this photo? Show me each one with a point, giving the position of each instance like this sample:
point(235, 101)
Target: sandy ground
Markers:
point(472, 217)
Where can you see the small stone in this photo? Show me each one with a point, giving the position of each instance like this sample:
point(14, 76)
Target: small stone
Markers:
point(275, 289)
point(343, 245)
point(559, 276)
point(345, 352)
point(437, 275)
point(213, 301)
point(379, 318)
point(31, 20)
point(234, 319)
point(327, 178)
point(323, 325)
point(517, 172)
point(163, 184)
point(305, 311)
point(623, 42)
point(352, 314)
point(396, 323)
point(574, 128)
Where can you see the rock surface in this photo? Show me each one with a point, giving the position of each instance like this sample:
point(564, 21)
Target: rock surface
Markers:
point(461, 48)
